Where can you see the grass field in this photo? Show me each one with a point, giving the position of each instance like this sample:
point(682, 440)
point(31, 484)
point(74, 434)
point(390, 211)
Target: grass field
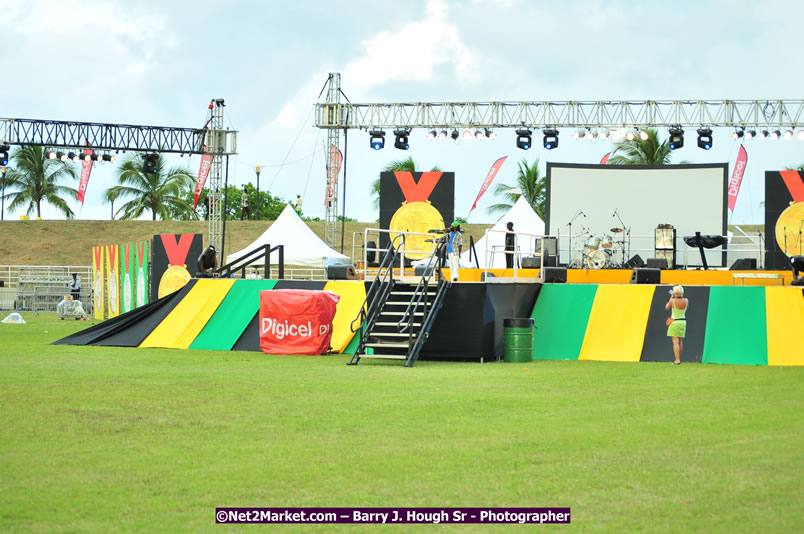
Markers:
point(99, 439)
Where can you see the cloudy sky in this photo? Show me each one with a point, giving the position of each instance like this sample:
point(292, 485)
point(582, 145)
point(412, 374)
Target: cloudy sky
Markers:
point(160, 63)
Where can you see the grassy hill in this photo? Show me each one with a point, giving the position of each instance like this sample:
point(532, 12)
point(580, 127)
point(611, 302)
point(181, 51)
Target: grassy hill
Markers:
point(71, 242)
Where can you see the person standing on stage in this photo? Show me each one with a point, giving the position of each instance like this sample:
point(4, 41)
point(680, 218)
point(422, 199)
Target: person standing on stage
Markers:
point(455, 244)
point(510, 246)
point(75, 287)
point(677, 328)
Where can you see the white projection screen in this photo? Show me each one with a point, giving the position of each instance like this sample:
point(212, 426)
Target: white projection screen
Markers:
point(689, 197)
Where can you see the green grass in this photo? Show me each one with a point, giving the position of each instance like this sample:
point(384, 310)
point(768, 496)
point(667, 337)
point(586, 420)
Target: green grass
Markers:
point(101, 439)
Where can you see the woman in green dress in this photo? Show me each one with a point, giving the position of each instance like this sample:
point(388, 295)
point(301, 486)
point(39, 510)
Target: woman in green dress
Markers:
point(677, 329)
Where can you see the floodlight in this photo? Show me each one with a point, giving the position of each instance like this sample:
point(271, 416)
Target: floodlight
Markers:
point(762, 135)
point(550, 139)
point(775, 135)
point(467, 134)
point(401, 141)
point(750, 134)
point(150, 163)
point(523, 139)
point(377, 139)
point(432, 134)
point(643, 135)
point(108, 157)
point(629, 136)
point(788, 135)
point(676, 138)
point(491, 135)
point(442, 135)
point(800, 135)
point(479, 135)
point(705, 138)
point(455, 134)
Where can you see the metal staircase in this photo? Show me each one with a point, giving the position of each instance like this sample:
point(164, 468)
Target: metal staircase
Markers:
point(396, 317)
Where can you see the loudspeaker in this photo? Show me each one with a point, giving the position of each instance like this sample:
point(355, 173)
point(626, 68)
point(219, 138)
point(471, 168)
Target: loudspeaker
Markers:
point(341, 272)
point(419, 271)
point(646, 275)
point(483, 276)
point(555, 275)
point(635, 261)
point(531, 262)
point(744, 264)
point(551, 261)
point(657, 263)
point(550, 245)
point(2, 283)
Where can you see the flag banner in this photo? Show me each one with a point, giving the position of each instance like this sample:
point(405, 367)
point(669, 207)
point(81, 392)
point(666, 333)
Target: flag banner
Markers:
point(127, 276)
point(86, 169)
point(296, 321)
point(737, 176)
point(98, 282)
point(203, 172)
point(113, 279)
point(495, 168)
point(141, 268)
point(605, 158)
point(333, 168)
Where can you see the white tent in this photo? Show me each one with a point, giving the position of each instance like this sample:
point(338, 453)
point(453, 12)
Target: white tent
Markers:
point(302, 246)
point(525, 220)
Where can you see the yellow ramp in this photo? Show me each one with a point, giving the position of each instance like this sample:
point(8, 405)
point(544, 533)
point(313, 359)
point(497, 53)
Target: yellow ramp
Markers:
point(188, 318)
point(352, 296)
point(616, 328)
point(784, 308)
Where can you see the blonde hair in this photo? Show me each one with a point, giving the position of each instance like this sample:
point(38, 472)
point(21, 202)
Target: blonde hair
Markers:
point(678, 291)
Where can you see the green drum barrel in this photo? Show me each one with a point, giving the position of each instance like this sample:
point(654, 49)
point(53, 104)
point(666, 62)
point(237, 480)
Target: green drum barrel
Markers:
point(518, 338)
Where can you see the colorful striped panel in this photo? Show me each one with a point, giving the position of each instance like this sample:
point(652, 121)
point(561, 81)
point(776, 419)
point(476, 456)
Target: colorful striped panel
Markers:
point(735, 326)
point(561, 313)
point(352, 295)
point(657, 347)
point(181, 327)
point(616, 327)
point(233, 315)
point(784, 307)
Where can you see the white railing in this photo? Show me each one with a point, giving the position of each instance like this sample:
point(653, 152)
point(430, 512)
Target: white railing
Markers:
point(524, 245)
point(419, 252)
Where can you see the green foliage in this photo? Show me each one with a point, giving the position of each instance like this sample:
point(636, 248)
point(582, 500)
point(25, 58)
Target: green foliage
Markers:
point(32, 178)
point(639, 152)
point(160, 194)
point(270, 206)
point(407, 165)
point(529, 182)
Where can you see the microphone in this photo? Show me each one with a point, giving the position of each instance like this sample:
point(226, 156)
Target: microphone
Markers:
point(615, 212)
point(582, 213)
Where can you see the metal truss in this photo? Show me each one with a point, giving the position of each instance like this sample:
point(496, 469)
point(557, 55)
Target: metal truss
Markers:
point(570, 114)
point(125, 137)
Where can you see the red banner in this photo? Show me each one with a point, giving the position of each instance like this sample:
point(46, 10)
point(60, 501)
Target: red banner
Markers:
point(489, 178)
point(296, 321)
point(737, 176)
point(86, 169)
point(203, 172)
point(605, 158)
point(333, 168)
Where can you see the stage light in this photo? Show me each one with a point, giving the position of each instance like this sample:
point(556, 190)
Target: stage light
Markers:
point(150, 163)
point(737, 134)
point(455, 134)
point(618, 135)
point(800, 135)
point(643, 135)
point(797, 263)
point(51, 155)
point(86, 157)
point(704, 138)
point(377, 139)
point(4, 159)
point(432, 134)
point(490, 134)
point(550, 139)
point(61, 156)
point(603, 135)
point(467, 134)
point(676, 138)
point(73, 157)
point(479, 135)
point(788, 135)
point(442, 135)
point(762, 135)
point(523, 139)
point(589, 135)
point(577, 134)
point(108, 157)
point(95, 157)
point(401, 141)
point(775, 135)
point(630, 135)
point(750, 134)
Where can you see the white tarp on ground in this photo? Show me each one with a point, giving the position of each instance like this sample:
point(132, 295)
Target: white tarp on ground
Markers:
point(525, 220)
point(302, 246)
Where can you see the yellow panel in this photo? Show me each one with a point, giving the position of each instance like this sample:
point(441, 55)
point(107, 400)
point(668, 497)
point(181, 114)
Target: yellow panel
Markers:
point(599, 276)
point(352, 296)
point(784, 308)
point(616, 328)
point(179, 329)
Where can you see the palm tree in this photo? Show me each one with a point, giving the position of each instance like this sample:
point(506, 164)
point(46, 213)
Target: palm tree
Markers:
point(800, 168)
point(529, 182)
point(399, 165)
point(36, 178)
point(159, 193)
point(641, 152)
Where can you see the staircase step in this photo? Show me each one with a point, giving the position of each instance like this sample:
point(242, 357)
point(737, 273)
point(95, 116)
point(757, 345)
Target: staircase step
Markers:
point(388, 345)
point(385, 356)
point(399, 313)
point(391, 334)
point(393, 324)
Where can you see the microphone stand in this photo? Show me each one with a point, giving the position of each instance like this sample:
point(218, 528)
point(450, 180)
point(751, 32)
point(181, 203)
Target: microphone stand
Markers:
point(627, 233)
point(762, 251)
point(569, 261)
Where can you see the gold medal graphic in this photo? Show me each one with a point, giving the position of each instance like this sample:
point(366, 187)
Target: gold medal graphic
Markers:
point(788, 229)
point(175, 278)
point(416, 217)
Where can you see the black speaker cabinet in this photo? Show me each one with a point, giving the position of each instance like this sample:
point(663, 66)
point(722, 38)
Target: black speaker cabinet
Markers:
point(420, 270)
point(646, 275)
point(657, 263)
point(555, 275)
point(744, 264)
point(341, 272)
point(531, 262)
point(635, 261)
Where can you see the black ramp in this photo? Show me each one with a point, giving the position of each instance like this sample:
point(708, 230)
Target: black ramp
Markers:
point(657, 347)
point(129, 329)
point(250, 338)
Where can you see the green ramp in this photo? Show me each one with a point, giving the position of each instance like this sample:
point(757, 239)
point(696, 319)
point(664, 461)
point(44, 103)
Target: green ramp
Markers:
point(735, 326)
point(561, 313)
point(233, 315)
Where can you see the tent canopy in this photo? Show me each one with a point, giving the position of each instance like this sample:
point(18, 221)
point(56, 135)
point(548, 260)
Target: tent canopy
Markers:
point(525, 221)
point(302, 246)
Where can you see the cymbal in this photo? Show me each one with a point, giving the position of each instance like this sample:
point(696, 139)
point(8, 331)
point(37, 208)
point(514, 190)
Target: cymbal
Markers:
point(616, 230)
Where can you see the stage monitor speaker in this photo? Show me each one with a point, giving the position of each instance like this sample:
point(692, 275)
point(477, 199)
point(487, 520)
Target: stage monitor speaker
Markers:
point(341, 272)
point(744, 264)
point(635, 261)
point(550, 245)
point(420, 270)
point(646, 275)
point(531, 262)
point(657, 263)
point(555, 275)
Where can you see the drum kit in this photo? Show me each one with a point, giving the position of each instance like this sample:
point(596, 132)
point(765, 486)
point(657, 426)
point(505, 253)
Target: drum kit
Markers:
point(600, 251)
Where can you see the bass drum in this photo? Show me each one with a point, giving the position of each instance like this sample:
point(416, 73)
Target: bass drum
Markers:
point(598, 259)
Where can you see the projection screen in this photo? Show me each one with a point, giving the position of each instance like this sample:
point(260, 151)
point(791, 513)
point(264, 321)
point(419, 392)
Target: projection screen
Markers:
point(591, 200)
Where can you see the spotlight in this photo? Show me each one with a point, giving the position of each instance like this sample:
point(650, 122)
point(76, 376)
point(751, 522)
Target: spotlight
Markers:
point(737, 134)
point(676, 138)
point(377, 139)
point(479, 135)
point(577, 134)
point(72, 156)
point(775, 135)
point(432, 135)
point(800, 135)
point(51, 155)
point(86, 157)
point(401, 141)
point(750, 134)
point(603, 135)
point(630, 135)
point(61, 156)
point(108, 157)
point(762, 135)
point(491, 135)
point(550, 139)
point(455, 134)
point(788, 135)
point(643, 135)
point(150, 163)
point(467, 134)
point(618, 135)
point(589, 135)
point(4, 159)
point(442, 135)
point(704, 138)
point(523, 139)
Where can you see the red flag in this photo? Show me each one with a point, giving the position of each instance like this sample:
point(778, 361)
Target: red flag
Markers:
point(489, 178)
point(86, 168)
point(203, 172)
point(737, 176)
point(333, 168)
point(605, 158)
